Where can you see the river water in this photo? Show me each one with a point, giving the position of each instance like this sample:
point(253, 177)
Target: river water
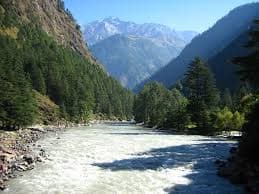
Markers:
point(126, 159)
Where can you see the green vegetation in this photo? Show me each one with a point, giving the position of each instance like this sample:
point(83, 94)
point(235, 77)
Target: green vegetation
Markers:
point(202, 94)
point(193, 104)
point(33, 60)
point(226, 120)
point(249, 71)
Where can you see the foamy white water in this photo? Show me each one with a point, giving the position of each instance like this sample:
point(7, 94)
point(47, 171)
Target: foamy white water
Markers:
point(121, 159)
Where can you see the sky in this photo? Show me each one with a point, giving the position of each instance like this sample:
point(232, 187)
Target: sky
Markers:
point(196, 15)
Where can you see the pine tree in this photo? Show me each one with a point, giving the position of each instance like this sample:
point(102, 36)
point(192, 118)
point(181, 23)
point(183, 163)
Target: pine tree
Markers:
point(177, 116)
point(201, 92)
point(151, 105)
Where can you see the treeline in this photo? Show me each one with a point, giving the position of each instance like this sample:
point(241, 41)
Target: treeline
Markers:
point(193, 104)
point(32, 60)
point(196, 104)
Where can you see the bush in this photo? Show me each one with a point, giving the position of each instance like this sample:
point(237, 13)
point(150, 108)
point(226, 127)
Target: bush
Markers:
point(227, 121)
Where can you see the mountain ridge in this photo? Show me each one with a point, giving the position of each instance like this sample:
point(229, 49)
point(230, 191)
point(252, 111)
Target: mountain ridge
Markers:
point(213, 41)
point(105, 36)
point(132, 59)
point(102, 29)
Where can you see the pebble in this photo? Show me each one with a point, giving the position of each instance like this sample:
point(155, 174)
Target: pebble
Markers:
point(15, 153)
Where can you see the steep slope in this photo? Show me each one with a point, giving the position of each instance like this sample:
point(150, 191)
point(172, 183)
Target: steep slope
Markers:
point(137, 51)
point(209, 43)
point(54, 20)
point(132, 59)
point(187, 36)
point(221, 64)
point(41, 48)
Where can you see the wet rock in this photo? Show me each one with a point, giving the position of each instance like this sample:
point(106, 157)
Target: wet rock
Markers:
point(39, 159)
point(15, 152)
point(2, 185)
point(28, 158)
point(31, 167)
point(22, 167)
point(3, 168)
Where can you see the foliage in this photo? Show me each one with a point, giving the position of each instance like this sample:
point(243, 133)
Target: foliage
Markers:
point(177, 116)
point(151, 104)
point(249, 71)
point(201, 92)
point(157, 106)
point(17, 103)
point(33, 60)
point(227, 121)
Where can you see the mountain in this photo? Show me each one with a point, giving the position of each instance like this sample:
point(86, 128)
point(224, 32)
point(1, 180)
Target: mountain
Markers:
point(54, 20)
point(187, 36)
point(209, 44)
point(221, 64)
point(133, 52)
point(132, 59)
point(100, 30)
point(42, 51)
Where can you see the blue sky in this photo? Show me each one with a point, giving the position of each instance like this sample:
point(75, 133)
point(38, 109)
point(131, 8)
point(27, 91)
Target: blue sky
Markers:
point(197, 15)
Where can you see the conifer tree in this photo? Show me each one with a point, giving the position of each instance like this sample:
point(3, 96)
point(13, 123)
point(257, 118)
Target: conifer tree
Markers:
point(201, 92)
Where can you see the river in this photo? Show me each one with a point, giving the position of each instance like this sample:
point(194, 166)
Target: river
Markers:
point(125, 159)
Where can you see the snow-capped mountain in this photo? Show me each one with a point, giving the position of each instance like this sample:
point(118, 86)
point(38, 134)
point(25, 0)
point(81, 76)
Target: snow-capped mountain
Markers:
point(133, 52)
point(100, 30)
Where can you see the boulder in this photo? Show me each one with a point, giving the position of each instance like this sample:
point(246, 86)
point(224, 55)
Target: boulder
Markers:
point(28, 158)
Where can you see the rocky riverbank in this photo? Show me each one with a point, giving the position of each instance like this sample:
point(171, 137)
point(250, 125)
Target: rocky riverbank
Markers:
point(16, 147)
point(240, 171)
point(16, 151)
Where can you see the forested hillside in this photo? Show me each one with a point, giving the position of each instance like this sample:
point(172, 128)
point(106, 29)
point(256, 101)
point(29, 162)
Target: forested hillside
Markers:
point(33, 58)
point(209, 44)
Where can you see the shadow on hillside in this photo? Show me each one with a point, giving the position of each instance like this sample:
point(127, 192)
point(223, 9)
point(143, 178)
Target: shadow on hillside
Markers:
point(201, 156)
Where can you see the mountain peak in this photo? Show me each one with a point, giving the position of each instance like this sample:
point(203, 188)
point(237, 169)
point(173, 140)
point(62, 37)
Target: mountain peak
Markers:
point(111, 19)
point(100, 30)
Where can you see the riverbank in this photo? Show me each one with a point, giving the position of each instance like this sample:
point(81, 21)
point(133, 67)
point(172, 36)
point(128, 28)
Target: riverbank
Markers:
point(240, 171)
point(16, 153)
point(84, 160)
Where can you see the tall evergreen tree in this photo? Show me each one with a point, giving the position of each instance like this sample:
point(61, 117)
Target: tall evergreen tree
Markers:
point(177, 116)
point(151, 105)
point(201, 92)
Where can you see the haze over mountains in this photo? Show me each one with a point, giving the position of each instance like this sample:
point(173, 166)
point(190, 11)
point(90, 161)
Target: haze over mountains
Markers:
point(133, 52)
point(218, 45)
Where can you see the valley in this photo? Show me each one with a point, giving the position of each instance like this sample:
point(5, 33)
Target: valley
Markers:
point(97, 104)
